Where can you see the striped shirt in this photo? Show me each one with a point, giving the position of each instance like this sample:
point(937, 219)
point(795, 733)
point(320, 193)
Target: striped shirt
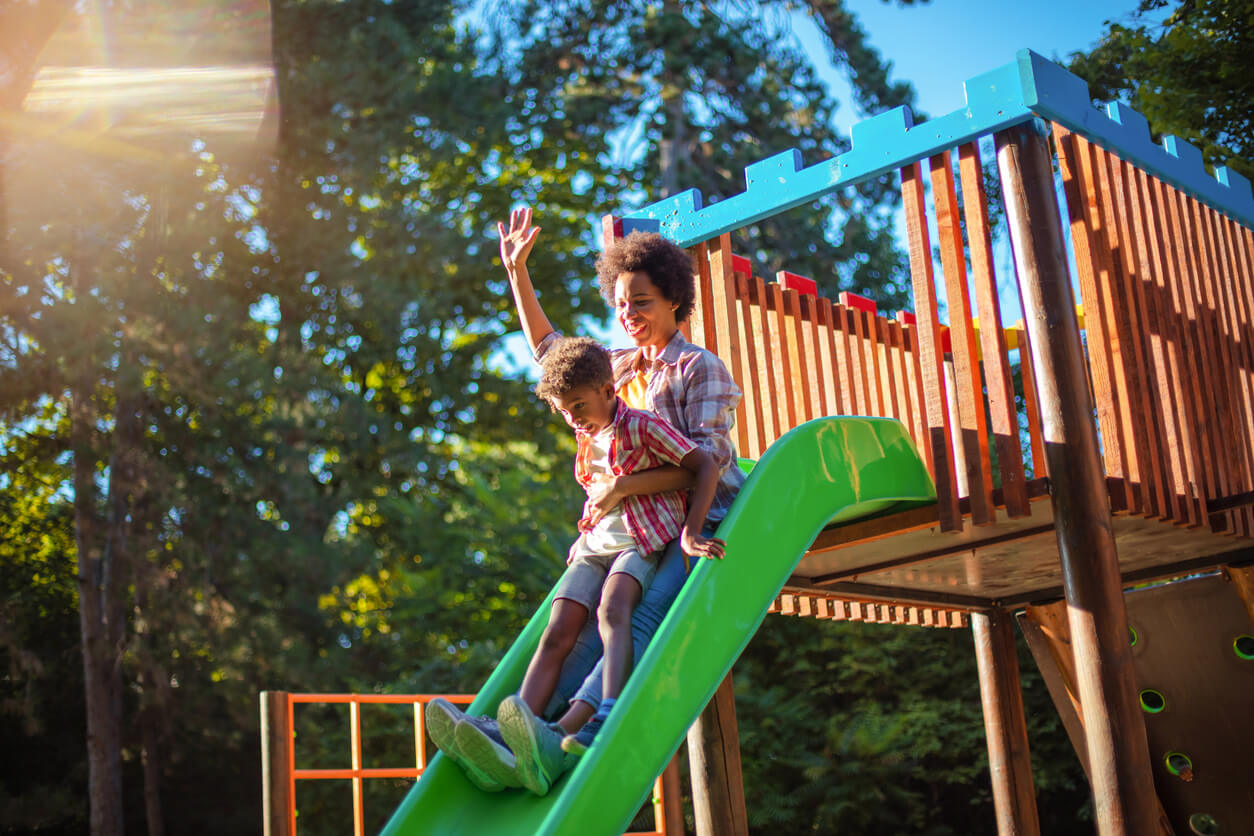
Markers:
point(641, 441)
point(690, 389)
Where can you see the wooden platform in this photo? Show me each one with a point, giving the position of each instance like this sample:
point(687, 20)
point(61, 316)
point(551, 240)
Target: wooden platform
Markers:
point(905, 558)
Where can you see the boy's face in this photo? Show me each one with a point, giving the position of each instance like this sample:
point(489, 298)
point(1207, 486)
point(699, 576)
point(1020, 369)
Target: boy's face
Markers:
point(589, 409)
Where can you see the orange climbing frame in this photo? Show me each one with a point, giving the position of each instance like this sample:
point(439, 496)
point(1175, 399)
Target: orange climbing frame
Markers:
point(278, 748)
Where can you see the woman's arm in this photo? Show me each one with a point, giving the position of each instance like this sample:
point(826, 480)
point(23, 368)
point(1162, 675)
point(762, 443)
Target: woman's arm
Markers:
point(516, 245)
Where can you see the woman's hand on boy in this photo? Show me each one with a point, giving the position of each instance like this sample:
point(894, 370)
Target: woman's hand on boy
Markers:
point(697, 545)
point(516, 242)
point(603, 497)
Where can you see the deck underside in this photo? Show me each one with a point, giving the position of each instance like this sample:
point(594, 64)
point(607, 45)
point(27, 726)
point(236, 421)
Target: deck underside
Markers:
point(904, 557)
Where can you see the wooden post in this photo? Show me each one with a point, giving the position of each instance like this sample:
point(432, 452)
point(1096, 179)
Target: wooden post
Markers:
point(1005, 727)
point(718, 793)
point(276, 764)
point(1122, 783)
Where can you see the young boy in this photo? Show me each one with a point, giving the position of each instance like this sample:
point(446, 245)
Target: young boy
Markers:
point(612, 561)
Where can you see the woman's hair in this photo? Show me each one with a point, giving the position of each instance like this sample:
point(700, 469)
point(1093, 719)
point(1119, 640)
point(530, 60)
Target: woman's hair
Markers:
point(572, 362)
point(667, 265)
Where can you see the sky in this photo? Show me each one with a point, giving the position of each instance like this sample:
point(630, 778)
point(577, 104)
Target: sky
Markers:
point(937, 46)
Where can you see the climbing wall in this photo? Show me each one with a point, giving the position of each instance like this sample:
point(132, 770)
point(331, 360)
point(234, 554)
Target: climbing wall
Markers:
point(1193, 651)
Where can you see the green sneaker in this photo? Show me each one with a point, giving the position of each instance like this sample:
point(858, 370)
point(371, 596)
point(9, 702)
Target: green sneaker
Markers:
point(442, 719)
point(537, 745)
point(578, 743)
point(483, 747)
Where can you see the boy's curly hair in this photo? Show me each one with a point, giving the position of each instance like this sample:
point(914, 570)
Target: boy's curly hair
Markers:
point(667, 265)
point(572, 362)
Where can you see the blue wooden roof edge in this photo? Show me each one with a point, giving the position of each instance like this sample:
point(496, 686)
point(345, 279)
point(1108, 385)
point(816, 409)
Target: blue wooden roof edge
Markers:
point(1022, 90)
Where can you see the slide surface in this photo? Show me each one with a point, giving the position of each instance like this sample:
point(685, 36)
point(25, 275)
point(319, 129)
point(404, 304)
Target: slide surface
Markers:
point(829, 470)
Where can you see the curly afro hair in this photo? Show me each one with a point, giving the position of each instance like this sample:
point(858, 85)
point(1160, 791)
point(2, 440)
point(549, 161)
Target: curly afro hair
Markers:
point(572, 362)
point(666, 264)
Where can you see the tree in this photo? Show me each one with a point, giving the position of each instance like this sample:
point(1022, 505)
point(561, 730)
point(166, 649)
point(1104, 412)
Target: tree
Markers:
point(686, 94)
point(1191, 75)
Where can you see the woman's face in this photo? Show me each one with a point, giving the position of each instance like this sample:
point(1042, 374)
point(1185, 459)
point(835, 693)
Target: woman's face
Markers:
point(646, 315)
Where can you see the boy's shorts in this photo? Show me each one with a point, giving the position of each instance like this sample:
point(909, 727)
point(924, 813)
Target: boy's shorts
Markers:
point(588, 571)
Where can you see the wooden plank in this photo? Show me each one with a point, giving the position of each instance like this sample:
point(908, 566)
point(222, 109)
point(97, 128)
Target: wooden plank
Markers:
point(702, 319)
point(764, 360)
point(938, 430)
point(1183, 264)
point(1167, 343)
point(810, 342)
point(1145, 406)
point(276, 764)
point(833, 403)
point(1092, 268)
point(805, 606)
point(972, 426)
point(1003, 416)
point(798, 362)
point(1198, 273)
point(892, 407)
point(1225, 282)
point(752, 400)
point(874, 353)
point(844, 361)
point(728, 331)
point(918, 401)
point(894, 353)
point(858, 351)
point(1240, 239)
point(1031, 409)
point(1115, 309)
point(782, 368)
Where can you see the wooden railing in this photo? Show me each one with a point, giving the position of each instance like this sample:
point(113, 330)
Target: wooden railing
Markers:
point(797, 355)
point(1167, 284)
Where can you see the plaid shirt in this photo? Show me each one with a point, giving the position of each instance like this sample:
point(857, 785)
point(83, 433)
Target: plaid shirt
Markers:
point(642, 441)
point(690, 389)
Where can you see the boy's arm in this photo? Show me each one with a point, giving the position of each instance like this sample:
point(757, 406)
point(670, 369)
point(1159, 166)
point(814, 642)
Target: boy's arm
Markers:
point(516, 245)
point(706, 472)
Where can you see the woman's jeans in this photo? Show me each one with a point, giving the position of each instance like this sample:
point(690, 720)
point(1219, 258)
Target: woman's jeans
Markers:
point(581, 674)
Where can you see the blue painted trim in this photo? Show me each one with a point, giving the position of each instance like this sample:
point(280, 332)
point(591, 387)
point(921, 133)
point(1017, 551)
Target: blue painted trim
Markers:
point(1016, 92)
point(1055, 94)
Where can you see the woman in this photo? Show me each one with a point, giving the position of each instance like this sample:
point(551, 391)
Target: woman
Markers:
point(649, 282)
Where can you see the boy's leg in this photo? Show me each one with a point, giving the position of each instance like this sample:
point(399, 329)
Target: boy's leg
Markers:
point(618, 600)
point(565, 623)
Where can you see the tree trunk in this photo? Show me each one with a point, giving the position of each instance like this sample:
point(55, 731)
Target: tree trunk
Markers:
point(102, 671)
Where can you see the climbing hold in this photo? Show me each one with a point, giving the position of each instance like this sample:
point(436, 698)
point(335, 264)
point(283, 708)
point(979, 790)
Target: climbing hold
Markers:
point(1180, 765)
point(1152, 702)
point(1243, 646)
point(1132, 633)
point(1203, 824)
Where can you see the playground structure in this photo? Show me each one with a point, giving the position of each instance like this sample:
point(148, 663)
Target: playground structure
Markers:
point(1129, 459)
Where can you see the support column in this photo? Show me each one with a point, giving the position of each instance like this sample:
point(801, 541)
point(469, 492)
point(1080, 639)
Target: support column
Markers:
point(1122, 782)
point(1005, 726)
point(718, 792)
point(276, 764)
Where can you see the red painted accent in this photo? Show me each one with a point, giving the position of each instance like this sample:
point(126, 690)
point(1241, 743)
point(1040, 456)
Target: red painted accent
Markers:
point(611, 229)
point(947, 345)
point(792, 281)
point(740, 264)
point(861, 303)
point(906, 318)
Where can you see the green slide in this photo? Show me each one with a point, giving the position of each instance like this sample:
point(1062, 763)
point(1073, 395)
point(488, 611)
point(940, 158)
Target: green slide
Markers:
point(829, 470)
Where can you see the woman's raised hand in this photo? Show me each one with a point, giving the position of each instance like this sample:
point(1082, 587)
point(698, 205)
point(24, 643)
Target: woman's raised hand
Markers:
point(517, 241)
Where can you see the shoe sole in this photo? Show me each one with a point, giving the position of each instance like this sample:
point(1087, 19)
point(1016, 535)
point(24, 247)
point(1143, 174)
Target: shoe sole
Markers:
point(571, 746)
point(516, 727)
point(442, 719)
point(486, 755)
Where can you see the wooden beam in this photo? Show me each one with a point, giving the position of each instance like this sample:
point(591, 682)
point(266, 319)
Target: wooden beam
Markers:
point(1121, 777)
point(1005, 725)
point(276, 764)
point(718, 792)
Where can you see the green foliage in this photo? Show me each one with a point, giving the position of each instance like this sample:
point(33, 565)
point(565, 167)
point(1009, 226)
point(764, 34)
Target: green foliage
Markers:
point(1191, 75)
